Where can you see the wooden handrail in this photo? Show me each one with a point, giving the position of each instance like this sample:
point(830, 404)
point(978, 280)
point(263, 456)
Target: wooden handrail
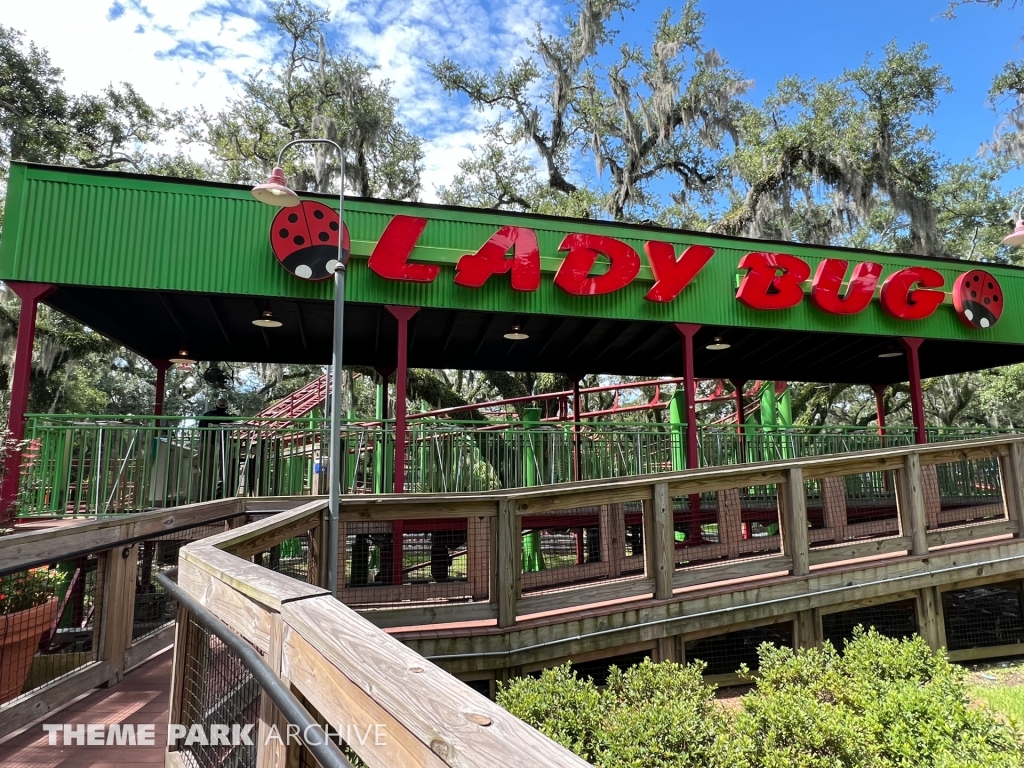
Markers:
point(351, 672)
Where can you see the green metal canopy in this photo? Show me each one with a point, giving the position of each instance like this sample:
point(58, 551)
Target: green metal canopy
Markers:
point(155, 262)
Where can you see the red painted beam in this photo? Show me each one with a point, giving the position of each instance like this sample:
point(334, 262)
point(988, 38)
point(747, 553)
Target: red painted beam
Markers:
point(912, 347)
point(740, 436)
point(161, 385)
point(30, 294)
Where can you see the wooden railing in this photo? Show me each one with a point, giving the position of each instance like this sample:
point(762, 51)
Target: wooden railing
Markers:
point(107, 613)
point(655, 535)
point(350, 675)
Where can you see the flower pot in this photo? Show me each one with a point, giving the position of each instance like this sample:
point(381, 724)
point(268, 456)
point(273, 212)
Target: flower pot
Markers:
point(19, 638)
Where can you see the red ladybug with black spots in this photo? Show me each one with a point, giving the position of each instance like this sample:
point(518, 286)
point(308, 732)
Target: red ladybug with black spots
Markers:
point(305, 240)
point(978, 299)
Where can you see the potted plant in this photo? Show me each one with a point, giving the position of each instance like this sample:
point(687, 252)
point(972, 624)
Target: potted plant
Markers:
point(28, 608)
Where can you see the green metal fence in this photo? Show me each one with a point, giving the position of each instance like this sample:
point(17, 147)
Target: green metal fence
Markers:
point(80, 464)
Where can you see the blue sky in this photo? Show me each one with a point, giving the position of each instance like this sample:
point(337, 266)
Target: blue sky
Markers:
point(185, 53)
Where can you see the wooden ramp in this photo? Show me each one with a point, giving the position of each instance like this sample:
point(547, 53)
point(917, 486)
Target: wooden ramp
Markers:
point(141, 698)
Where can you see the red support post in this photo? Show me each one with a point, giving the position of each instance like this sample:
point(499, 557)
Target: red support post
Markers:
point(688, 331)
point(402, 315)
point(577, 452)
point(879, 390)
point(741, 438)
point(30, 294)
point(912, 347)
point(161, 385)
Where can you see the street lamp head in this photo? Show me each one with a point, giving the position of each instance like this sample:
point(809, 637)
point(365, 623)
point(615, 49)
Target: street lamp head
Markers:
point(276, 192)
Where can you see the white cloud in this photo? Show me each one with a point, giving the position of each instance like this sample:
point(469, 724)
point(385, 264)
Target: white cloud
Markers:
point(185, 53)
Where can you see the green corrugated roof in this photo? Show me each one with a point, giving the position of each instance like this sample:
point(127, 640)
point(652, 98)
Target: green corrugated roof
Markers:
point(74, 227)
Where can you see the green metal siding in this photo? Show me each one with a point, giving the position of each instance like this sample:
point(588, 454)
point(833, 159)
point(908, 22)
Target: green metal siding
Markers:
point(103, 229)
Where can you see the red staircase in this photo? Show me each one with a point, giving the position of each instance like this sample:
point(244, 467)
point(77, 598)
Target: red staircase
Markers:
point(299, 403)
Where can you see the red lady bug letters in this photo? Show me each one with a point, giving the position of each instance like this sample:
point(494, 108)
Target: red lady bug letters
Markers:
point(305, 240)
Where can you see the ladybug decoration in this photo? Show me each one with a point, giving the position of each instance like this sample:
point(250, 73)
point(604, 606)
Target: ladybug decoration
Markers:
point(305, 240)
point(978, 299)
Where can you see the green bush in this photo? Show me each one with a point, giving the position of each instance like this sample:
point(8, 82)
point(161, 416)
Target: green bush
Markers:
point(650, 716)
point(881, 704)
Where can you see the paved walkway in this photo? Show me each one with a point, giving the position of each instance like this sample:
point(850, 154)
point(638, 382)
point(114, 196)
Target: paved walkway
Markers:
point(141, 698)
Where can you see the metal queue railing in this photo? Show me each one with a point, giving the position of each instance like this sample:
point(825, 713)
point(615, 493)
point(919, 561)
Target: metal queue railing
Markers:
point(89, 465)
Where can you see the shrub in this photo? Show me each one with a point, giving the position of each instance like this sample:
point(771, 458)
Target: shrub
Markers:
point(650, 716)
point(883, 703)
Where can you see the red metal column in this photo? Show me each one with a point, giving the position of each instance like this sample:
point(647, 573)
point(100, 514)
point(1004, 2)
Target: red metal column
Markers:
point(161, 385)
point(402, 315)
point(688, 331)
point(741, 441)
point(879, 390)
point(577, 453)
point(912, 347)
point(30, 294)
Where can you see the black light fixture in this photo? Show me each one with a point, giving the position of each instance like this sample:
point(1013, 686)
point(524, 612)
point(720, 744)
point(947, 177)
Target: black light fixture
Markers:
point(183, 357)
point(516, 334)
point(267, 319)
point(891, 350)
point(718, 344)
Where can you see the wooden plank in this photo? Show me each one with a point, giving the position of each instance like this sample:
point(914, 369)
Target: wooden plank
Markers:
point(739, 479)
point(509, 563)
point(261, 535)
point(833, 502)
point(910, 504)
point(990, 652)
point(116, 612)
point(573, 498)
point(660, 540)
point(931, 494)
point(793, 508)
point(408, 593)
point(434, 719)
point(965, 451)
point(418, 509)
point(873, 530)
point(244, 616)
point(142, 649)
point(947, 536)
point(258, 583)
point(564, 575)
point(1012, 479)
point(271, 753)
point(733, 569)
point(432, 615)
point(478, 556)
point(927, 617)
point(966, 514)
point(17, 715)
point(586, 595)
point(730, 521)
point(852, 550)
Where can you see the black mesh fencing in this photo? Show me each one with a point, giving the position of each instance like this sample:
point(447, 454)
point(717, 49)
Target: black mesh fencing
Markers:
point(598, 669)
point(983, 617)
point(741, 523)
point(292, 558)
point(217, 689)
point(724, 653)
point(896, 620)
point(48, 623)
point(154, 608)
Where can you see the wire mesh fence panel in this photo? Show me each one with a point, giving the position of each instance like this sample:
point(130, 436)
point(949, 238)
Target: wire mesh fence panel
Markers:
point(896, 620)
point(964, 492)
point(395, 563)
point(571, 547)
point(982, 617)
point(48, 623)
point(736, 523)
point(294, 558)
point(154, 608)
point(724, 654)
point(851, 508)
point(217, 689)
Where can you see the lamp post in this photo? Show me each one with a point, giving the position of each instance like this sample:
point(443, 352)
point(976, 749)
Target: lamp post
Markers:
point(276, 192)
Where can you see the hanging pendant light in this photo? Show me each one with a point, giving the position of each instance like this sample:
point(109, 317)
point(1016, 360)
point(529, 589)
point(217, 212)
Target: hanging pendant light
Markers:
point(718, 344)
point(182, 358)
point(891, 350)
point(516, 334)
point(275, 191)
point(267, 320)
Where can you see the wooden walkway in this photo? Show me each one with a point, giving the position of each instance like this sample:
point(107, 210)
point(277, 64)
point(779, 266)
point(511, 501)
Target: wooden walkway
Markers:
point(141, 698)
